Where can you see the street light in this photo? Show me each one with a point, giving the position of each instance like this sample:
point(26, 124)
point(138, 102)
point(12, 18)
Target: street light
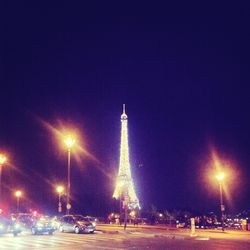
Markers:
point(59, 190)
point(220, 177)
point(18, 194)
point(69, 142)
point(3, 159)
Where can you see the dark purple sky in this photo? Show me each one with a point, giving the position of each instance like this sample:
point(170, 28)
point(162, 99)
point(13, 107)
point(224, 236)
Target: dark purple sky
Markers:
point(183, 72)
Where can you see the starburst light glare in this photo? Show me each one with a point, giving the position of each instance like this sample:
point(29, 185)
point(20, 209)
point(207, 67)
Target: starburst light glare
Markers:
point(3, 159)
point(220, 176)
point(18, 193)
point(59, 189)
point(69, 141)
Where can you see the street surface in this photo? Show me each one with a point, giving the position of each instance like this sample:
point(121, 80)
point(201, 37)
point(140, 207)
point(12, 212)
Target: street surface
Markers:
point(114, 237)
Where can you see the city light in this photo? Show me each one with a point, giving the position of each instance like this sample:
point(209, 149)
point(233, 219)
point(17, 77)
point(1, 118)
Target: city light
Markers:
point(18, 193)
point(59, 189)
point(3, 159)
point(132, 213)
point(220, 176)
point(69, 141)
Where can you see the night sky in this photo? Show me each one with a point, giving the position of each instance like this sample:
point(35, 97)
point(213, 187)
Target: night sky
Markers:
point(183, 73)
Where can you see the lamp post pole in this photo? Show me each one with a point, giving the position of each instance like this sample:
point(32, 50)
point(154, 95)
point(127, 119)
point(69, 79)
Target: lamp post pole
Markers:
point(68, 185)
point(1, 181)
point(17, 204)
point(59, 203)
point(2, 161)
point(125, 205)
point(222, 207)
point(59, 190)
point(69, 141)
point(18, 194)
point(220, 177)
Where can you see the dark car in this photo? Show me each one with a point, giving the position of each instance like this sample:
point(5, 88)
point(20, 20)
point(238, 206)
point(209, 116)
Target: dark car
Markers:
point(9, 226)
point(42, 225)
point(77, 224)
point(24, 220)
point(4, 224)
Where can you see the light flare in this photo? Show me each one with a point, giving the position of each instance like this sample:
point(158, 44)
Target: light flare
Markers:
point(3, 159)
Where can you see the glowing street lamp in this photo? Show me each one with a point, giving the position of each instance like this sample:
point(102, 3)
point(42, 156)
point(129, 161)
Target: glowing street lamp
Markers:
point(3, 159)
point(220, 177)
point(59, 190)
point(18, 194)
point(69, 142)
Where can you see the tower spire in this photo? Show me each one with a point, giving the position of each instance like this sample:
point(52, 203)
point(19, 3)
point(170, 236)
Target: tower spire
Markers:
point(123, 109)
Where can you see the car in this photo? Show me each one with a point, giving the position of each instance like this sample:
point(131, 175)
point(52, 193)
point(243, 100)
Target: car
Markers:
point(4, 225)
point(76, 224)
point(92, 219)
point(9, 226)
point(25, 220)
point(43, 225)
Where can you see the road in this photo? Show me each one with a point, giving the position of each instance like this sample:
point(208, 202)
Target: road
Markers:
point(111, 238)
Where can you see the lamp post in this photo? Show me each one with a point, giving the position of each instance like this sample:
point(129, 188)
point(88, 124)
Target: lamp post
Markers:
point(3, 159)
point(69, 142)
point(18, 194)
point(125, 205)
point(59, 190)
point(220, 177)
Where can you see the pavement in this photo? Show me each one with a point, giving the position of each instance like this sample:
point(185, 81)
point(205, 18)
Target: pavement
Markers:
point(170, 232)
point(112, 237)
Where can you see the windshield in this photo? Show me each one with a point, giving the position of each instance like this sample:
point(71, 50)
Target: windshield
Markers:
point(80, 218)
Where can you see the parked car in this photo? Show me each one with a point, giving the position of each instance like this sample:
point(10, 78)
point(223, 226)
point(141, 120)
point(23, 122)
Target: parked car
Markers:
point(91, 219)
point(24, 220)
point(77, 224)
point(43, 225)
point(9, 226)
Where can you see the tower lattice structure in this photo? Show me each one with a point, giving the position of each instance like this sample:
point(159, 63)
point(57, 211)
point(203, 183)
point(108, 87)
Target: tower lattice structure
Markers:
point(124, 188)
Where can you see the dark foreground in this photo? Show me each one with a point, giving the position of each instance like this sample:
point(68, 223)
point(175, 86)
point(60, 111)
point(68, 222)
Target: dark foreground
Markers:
point(140, 238)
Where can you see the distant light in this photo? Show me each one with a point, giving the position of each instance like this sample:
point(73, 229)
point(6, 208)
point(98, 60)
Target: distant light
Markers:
point(3, 159)
point(220, 176)
point(69, 141)
point(132, 213)
point(59, 189)
point(18, 193)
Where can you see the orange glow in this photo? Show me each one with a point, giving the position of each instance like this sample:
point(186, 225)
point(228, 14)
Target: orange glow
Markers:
point(18, 193)
point(3, 159)
point(59, 189)
point(132, 213)
point(69, 141)
point(80, 151)
point(220, 176)
point(220, 168)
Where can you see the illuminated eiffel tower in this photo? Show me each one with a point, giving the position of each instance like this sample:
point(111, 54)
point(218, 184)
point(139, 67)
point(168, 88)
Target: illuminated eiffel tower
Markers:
point(124, 189)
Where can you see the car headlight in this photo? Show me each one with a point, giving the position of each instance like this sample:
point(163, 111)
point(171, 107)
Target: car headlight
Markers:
point(53, 224)
point(17, 225)
point(94, 224)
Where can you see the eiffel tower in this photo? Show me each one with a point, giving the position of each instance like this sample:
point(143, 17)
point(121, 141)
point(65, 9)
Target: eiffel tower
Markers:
point(124, 189)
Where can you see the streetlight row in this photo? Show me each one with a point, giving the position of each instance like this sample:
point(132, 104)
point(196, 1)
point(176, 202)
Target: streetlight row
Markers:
point(59, 190)
point(69, 141)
